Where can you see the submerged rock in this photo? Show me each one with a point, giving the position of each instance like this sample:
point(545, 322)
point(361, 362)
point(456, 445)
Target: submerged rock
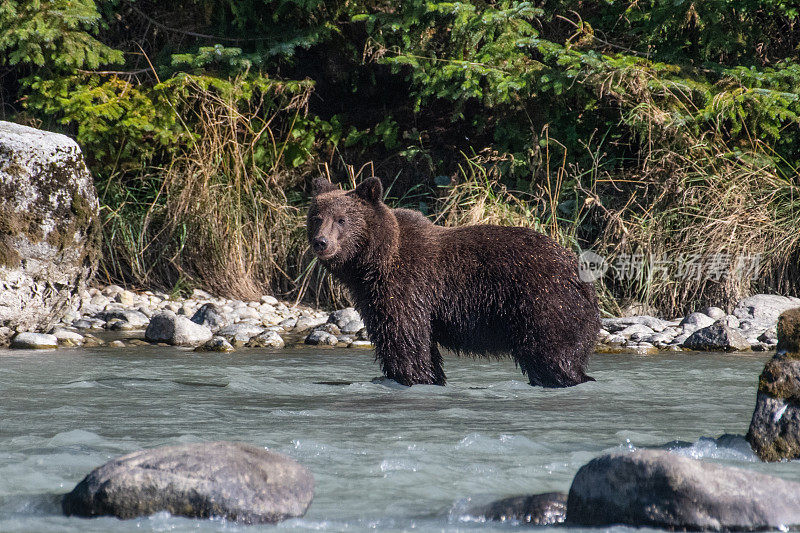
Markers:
point(49, 228)
point(774, 430)
point(537, 509)
point(219, 479)
point(715, 338)
point(653, 488)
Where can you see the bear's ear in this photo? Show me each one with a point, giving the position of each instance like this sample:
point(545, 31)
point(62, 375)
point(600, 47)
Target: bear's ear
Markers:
point(321, 185)
point(370, 190)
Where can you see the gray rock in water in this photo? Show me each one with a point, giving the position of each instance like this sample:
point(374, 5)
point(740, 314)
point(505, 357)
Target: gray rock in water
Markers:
point(651, 488)
point(210, 316)
point(321, 337)
point(538, 509)
point(176, 330)
point(715, 338)
point(219, 479)
point(764, 309)
point(775, 427)
point(774, 432)
point(49, 227)
point(27, 340)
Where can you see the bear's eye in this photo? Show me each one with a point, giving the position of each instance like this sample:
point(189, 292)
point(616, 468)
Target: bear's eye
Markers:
point(317, 218)
point(341, 221)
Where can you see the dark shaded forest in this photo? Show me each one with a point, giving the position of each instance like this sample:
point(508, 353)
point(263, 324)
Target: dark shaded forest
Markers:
point(662, 135)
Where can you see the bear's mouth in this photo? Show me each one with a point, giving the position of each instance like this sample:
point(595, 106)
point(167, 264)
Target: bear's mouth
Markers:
point(326, 254)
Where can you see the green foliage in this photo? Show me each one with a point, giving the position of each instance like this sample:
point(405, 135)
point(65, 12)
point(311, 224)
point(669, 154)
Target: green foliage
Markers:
point(589, 116)
point(55, 34)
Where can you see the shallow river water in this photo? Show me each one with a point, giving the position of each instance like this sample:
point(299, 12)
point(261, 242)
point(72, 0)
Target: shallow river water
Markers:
point(384, 457)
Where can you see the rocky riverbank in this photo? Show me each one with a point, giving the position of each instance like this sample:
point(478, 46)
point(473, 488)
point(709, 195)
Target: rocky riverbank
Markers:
point(200, 321)
point(205, 322)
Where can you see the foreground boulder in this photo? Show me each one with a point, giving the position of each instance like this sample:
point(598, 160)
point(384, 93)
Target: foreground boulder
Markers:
point(49, 230)
point(774, 432)
point(219, 479)
point(650, 488)
point(537, 509)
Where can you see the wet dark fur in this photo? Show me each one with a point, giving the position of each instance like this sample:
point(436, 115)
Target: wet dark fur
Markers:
point(481, 290)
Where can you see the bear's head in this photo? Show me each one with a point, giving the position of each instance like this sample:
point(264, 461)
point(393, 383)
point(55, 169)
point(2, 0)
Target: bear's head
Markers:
point(341, 223)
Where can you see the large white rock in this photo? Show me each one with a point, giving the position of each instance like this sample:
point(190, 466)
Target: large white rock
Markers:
point(49, 229)
point(764, 309)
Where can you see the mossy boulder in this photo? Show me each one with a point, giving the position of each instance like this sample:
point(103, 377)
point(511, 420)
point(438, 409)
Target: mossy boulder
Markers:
point(775, 427)
point(49, 227)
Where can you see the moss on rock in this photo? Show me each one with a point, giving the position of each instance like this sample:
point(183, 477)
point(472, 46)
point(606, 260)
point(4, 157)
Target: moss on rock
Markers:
point(789, 333)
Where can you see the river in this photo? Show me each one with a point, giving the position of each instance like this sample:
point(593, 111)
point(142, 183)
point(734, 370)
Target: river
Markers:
point(384, 457)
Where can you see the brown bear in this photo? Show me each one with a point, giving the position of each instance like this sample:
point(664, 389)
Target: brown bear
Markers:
point(478, 290)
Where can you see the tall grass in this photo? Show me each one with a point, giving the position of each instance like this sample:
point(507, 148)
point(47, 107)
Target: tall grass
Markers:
point(221, 217)
point(226, 213)
point(694, 194)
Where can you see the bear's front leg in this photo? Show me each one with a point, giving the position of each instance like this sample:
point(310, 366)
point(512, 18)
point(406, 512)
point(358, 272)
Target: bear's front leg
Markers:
point(408, 356)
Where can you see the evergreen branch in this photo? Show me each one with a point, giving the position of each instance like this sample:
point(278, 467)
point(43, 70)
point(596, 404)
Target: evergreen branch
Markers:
point(164, 27)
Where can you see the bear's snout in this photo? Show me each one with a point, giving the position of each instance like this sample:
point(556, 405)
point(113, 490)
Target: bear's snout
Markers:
point(320, 244)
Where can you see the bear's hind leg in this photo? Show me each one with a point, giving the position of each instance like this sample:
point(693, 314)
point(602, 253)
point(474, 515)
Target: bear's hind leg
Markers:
point(551, 370)
point(436, 366)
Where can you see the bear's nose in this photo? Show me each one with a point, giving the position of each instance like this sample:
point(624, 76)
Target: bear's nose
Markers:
point(320, 243)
